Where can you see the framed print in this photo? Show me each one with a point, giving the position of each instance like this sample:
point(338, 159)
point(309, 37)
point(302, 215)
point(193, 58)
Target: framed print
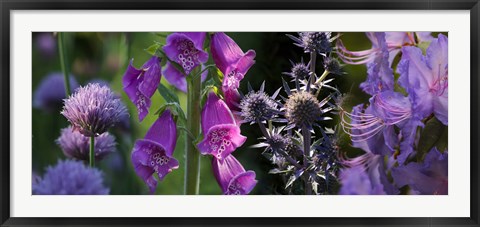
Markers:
point(239, 113)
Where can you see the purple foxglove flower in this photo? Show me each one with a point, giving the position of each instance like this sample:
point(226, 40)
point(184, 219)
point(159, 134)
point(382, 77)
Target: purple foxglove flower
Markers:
point(427, 178)
point(75, 145)
point(186, 49)
point(379, 74)
point(426, 78)
point(93, 109)
point(154, 153)
point(221, 133)
point(70, 177)
point(232, 177)
point(177, 79)
point(141, 84)
point(233, 63)
point(366, 175)
point(50, 92)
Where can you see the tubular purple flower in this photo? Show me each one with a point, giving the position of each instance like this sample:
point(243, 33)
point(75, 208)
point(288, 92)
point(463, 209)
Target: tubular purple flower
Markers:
point(141, 84)
point(426, 78)
point(75, 145)
point(232, 177)
point(70, 177)
point(233, 63)
point(186, 49)
point(154, 153)
point(177, 79)
point(50, 92)
point(221, 133)
point(93, 109)
point(427, 178)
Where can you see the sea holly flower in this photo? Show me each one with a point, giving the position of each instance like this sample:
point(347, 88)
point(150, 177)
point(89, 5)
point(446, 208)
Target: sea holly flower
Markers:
point(300, 71)
point(177, 78)
point(426, 78)
point(221, 133)
point(93, 109)
point(141, 84)
point(394, 41)
point(75, 145)
point(232, 177)
point(256, 107)
point(233, 63)
point(70, 177)
point(302, 109)
point(319, 42)
point(154, 153)
point(427, 178)
point(186, 49)
point(50, 92)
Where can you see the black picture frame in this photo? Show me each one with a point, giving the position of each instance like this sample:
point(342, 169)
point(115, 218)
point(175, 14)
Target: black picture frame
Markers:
point(8, 5)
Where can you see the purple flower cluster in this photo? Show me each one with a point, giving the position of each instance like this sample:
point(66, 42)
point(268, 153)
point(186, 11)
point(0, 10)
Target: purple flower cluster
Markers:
point(76, 145)
point(93, 109)
point(50, 92)
point(70, 178)
point(387, 127)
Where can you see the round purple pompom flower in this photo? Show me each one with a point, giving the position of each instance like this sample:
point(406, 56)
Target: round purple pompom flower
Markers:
point(70, 177)
point(93, 109)
point(51, 91)
point(76, 145)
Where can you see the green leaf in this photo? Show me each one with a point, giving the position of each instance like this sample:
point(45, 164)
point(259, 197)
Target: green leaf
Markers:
point(167, 94)
point(153, 49)
point(433, 134)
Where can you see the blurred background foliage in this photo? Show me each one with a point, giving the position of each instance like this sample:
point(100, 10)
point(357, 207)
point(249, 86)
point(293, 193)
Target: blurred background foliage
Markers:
point(105, 56)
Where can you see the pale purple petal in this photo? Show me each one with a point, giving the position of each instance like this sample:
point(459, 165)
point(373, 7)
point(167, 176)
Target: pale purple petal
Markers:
point(424, 36)
point(379, 74)
point(428, 178)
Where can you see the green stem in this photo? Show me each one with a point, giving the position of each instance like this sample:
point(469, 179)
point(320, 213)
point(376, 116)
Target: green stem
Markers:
point(63, 62)
point(192, 155)
point(92, 151)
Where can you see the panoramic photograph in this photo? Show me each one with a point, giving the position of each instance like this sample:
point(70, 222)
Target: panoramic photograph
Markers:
point(240, 113)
